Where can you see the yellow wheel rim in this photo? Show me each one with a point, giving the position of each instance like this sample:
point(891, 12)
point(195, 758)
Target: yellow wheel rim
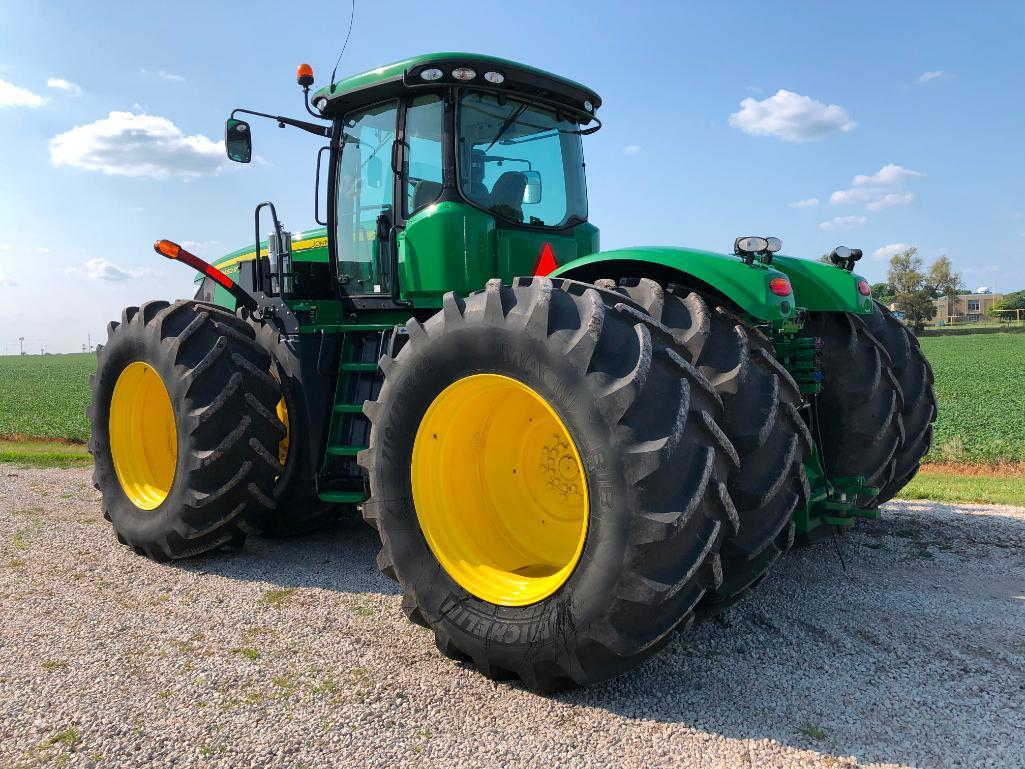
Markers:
point(282, 412)
point(143, 437)
point(499, 490)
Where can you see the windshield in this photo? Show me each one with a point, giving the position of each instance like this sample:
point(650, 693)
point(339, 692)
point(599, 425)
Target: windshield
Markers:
point(520, 161)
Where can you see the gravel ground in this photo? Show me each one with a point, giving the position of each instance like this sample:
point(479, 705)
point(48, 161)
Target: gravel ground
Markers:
point(296, 654)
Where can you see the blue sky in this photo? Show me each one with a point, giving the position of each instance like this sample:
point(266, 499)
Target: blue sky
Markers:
point(903, 121)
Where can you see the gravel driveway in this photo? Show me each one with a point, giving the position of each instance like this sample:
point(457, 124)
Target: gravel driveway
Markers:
point(296, 654)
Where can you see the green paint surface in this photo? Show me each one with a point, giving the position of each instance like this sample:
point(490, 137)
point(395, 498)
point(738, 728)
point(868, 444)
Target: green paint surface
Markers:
point(746, 284)
point(823, 287)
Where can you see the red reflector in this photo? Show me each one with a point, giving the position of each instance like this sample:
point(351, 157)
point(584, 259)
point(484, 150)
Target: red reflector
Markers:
point(864, 289)
point(780, 286)
point(546, 261)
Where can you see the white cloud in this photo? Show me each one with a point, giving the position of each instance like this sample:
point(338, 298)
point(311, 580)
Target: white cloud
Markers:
point(890, 249)
point(843, 223)
point(791, 117)
point(6, 282)
point(925, 77)
point(888, 174)
point(631, 149)
point(64, 85)
point(806, 203)
point(164, 75)
point(100, 269)
point(12, 95)
point(199, 245)
point(126, 144)
point(170, 76)
point(879, 190)
point(43, 250)
point(6, 246)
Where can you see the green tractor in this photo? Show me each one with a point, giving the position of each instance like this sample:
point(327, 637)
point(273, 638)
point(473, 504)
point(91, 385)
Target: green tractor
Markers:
point(569, 454)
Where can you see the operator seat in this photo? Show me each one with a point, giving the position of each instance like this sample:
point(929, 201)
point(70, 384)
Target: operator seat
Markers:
point(507, 195)
point(425, 192)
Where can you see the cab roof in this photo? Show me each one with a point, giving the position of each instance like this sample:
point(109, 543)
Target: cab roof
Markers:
point(401, 76)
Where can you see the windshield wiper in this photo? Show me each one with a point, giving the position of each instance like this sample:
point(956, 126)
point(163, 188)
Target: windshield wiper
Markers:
point(505, 126)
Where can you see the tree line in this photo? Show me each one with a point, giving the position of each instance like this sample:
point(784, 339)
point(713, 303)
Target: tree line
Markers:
point(912, 288)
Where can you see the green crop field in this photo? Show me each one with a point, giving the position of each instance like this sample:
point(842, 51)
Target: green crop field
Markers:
point(45, 395)
point(980, 381)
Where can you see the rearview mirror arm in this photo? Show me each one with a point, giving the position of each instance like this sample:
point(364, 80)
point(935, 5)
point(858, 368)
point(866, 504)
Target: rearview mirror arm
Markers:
point(313, 128)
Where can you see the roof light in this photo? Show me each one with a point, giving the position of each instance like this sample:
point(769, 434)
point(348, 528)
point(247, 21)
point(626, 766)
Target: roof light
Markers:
point(773, 245)
point(840, 253)
point(750, 245)
point(588, 106)
point(321, 103)
point(431, 74)
point(304, 75)
point(780, 286)
point(463, 73)
point(496, 78)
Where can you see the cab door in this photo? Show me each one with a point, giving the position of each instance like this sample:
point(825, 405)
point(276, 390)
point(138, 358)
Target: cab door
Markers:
point(365, 199)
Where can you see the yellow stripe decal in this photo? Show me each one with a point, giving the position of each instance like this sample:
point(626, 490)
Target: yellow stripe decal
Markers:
point(301, 245)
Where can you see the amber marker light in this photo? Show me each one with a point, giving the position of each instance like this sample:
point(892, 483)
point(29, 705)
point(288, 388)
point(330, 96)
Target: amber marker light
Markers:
point(864, 288)
point(780, 286)
point(304, 75)
point(172, 250)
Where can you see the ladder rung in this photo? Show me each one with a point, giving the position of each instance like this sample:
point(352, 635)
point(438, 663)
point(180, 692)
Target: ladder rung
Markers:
point(358, 367)
point(344, 451)
point(349, 408)
point(352, 497)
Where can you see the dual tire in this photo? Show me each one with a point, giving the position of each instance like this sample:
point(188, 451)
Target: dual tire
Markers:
point(652, 467)
point(760, 417)
point(875, 413)
point(184, 431)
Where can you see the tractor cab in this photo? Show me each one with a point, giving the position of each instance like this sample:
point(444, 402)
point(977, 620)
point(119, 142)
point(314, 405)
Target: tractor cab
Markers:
point(444, 171)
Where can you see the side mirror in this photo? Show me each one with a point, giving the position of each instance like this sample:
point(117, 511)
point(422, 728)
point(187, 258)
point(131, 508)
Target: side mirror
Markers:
point(375, 173)
point(532, 192)
point(238, 142)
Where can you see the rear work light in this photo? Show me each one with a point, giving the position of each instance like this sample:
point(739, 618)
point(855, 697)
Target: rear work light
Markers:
point(864, 289)
point(780, 286)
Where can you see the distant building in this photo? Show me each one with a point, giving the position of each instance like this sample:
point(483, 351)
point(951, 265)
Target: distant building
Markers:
point(966, 308)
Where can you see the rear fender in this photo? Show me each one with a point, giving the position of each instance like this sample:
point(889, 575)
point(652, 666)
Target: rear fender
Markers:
point(823, 287)
point(744, 286)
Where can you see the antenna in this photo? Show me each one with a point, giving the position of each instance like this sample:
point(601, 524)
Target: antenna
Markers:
point(352, 16)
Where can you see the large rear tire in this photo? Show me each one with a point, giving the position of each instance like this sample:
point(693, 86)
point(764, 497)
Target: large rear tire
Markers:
point(297, 508)
point(918, 412)
point(858, 414)
point(562, 560)
point(184, 434)
point(761, 419)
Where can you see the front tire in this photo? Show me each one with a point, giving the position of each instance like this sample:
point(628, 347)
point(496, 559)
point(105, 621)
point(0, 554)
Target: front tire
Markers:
point(643, 539)
point(184, 433)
